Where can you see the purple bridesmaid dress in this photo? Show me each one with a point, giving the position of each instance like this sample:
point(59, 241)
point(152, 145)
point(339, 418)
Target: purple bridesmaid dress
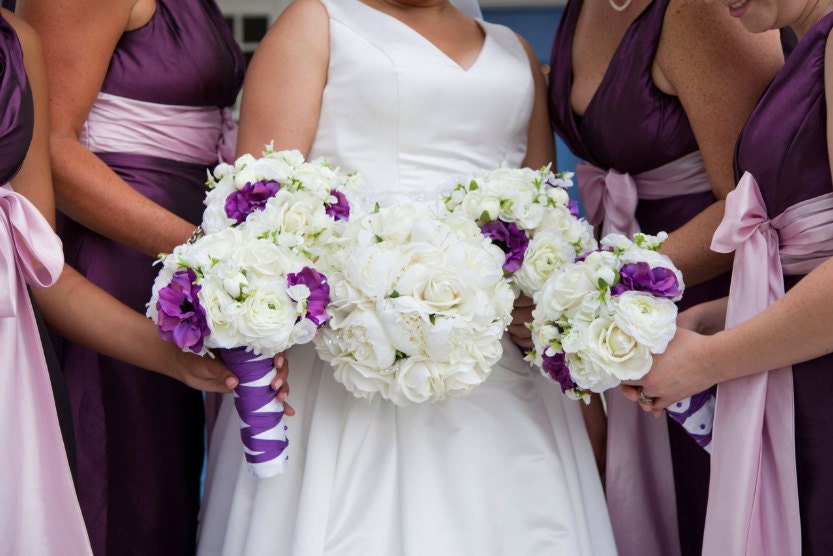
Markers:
point(140, 434)
point(632, 126)
point(784, 146)
point(8, 157)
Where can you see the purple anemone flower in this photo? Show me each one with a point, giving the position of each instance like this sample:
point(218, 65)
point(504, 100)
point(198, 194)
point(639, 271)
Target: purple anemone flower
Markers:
point(252, 197)
point(319, 296)
point(556, 368)
point(340, 210)
point(511, 239)
point(660, 281)
point(181, 317)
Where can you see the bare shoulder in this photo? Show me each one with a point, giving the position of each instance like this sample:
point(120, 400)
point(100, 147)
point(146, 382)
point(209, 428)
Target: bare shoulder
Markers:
point(301, 32)
point(28, 37)
point(527, 48)
point(301, 17)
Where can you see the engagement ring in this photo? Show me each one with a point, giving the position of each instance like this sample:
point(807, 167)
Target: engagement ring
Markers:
point(645, 399)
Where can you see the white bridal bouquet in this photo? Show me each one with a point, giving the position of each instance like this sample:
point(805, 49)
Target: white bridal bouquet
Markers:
point(419, 306)
point(251, 286)
point(600, 320)
point(530, 216)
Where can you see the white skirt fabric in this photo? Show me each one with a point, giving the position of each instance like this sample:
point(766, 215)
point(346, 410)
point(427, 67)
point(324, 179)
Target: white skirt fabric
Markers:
point(507, 470)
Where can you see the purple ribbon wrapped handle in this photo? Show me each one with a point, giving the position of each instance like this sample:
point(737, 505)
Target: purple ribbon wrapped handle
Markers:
point(261, 414)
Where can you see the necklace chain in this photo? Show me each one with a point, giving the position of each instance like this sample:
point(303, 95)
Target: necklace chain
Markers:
point(619, 8)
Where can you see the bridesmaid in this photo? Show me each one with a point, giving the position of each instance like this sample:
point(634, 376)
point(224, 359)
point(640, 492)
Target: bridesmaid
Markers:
point(138, 119)
point(773, 434)
point(652, 95)
point(33, 522)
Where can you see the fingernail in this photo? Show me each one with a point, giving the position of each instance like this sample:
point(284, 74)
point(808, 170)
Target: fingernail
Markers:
point(280, 361)
point(230, 382)
point(277, 384)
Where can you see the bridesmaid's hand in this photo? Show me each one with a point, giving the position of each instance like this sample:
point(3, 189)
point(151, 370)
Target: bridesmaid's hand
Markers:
point(682, 371)
point(521, 314)
point(201, 373)
point(280, 383)
point(706, 318)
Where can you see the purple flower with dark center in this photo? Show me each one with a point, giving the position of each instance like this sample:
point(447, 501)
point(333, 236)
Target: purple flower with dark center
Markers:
point(319, 293)
point(252, 197)
point(511, 239)
point(660, 281)
point(556, 368)
point(181, 317)
point(340, 210)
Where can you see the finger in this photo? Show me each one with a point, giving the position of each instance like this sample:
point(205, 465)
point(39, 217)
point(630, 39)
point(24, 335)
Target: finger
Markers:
point(630, 392)
point(231, 382)
point(288, 410)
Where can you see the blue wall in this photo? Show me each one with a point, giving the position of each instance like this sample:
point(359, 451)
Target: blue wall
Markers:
point(537, 26)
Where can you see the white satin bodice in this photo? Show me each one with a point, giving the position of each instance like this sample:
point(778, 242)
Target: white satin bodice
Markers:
point(409, 118)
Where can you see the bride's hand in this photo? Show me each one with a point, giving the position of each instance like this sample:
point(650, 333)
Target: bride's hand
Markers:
point(280, 383)
point(521, 314)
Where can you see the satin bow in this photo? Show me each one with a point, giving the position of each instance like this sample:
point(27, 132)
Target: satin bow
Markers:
point(28, 249)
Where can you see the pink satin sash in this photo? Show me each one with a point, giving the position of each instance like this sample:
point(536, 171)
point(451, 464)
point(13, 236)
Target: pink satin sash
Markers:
point(639, 473)
point(610, 197)
point(194, 134)
point(40, 512)
point(753, 498)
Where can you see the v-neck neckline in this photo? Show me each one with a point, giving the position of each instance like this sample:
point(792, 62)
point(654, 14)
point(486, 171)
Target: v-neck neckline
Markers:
point(433, 46)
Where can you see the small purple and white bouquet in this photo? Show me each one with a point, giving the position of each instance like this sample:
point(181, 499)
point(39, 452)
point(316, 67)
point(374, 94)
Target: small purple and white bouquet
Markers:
point(600, 320)
point(253, 283)
point(419, 306)
point(530, 216)
point(251, 299)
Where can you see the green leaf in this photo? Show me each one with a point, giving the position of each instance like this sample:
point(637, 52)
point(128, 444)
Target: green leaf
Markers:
point(394, 294)
point(473, 186)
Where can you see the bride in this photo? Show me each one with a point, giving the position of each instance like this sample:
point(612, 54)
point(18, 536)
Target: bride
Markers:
point(408, 92)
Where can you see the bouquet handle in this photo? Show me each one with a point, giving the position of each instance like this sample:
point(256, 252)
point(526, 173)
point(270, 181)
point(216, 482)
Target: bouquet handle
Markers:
point(261, 414)
point(696, 415)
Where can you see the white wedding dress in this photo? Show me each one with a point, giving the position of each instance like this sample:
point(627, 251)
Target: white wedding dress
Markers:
point(505, 471)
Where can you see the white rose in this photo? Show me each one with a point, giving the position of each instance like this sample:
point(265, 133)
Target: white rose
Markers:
point(571, 292)
point(649, 320)
point(214, 218)
point(212, 247)
point(615, 351)
point(545, 253)
point(222, 315)
point(269, 319)
point(416, 382)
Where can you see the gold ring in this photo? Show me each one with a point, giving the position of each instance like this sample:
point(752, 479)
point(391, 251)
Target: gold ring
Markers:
point(645, 399)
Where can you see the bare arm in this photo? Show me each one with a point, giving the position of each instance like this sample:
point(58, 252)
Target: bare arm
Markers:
point(296, 50)
point(540, 149)
point(78, 309)
point(718, 70)
point(79, 38)
point(33, 179)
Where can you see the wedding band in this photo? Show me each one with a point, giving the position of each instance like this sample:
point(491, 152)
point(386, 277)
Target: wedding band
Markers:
point(645, 399)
